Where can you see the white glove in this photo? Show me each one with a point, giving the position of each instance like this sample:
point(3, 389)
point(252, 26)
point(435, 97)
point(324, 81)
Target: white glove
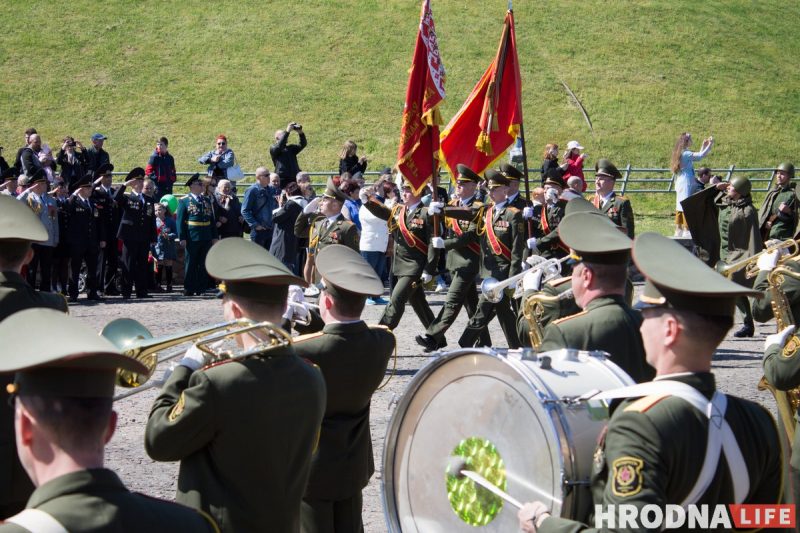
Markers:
point(295, 294)
point(363, 196)
point(312, 206)
point(274, 211)
point(532, 281)
point(551, 196)
point(437, 242)
point(527, 213)
point(768, 261)
point(531, 243)
point(779, 338)
point(425, 277)
point(194, 358)
point(534, 260)
point(434, 208)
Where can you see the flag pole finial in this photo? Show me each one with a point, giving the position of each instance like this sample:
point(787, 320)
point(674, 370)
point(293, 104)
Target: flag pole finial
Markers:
point(510, 6)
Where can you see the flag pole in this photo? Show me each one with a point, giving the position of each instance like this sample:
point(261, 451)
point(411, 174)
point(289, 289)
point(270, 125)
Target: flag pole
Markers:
point(434, 184)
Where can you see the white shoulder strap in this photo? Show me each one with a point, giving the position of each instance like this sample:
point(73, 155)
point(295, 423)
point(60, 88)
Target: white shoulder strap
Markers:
point(720, 435)
point(37, 521)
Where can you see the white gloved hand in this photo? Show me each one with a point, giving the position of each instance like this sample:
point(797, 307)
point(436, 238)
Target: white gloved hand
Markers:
point(363, 196)
point(275, 211)
point(434, 208)
point(437, 242)
point(295, 294)
point(312, 206)
point(532, 281)
point(551, 196)
point(779, 338)
point(527, 213)
point(534, 260)
point(425, 277)
point(531, 243)
point(194, 358)
point(768, 261)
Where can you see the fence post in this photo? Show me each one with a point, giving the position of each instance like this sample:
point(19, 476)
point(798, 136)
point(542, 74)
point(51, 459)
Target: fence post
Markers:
point(625, 179)
point(671, 183)
point(730, 172)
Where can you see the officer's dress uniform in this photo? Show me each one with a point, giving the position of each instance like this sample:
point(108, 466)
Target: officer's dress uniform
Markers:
point(411, 228)
point(110, 215)
point(502, 244)
point(774, 223)
point(137, 229)
point(652, 453)
point(353, 358)
point(196, 226)
point(96, 500)
point(549, 246)
point(617, 208)
point(84, 233)
point(15, 485)
point(322, 231)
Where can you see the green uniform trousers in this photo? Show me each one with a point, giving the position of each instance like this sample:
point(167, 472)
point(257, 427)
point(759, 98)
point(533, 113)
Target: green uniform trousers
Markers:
point(462, 293)
point(326, 516)
point(195, 276)
point(407, 289)
point(484, 314)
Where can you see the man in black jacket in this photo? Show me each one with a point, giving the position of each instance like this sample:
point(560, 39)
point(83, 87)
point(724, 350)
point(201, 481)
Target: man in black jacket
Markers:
point(103, 199)
point(96, 156)
point(284, 156)
point(137, 229)
point(85, 237)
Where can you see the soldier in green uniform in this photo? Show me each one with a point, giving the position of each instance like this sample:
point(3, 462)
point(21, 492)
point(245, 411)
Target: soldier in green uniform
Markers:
point(19, 227)
point(777, 217)
point(197, 231)
point(607, 323)
point(244, 428)
point(649, 453)
point(411, 226)
point(553, 210)
point(353, 358)
point(62, 397)
point(502, 234)
point(463, 251)
point(326, 225)
point(616, 207)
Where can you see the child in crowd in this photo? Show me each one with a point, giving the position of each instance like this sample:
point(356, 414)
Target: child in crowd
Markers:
point(166, 251)
point(574, 160)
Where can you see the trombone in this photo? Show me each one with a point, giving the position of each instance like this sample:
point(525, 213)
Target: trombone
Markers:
point(750, 263)
point(493, 290)
point(136, 341)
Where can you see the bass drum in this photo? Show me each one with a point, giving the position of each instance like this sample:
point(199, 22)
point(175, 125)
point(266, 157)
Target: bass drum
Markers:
point(512, 417)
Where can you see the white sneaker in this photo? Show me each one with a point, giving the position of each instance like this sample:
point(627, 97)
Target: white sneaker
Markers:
point(440, 288)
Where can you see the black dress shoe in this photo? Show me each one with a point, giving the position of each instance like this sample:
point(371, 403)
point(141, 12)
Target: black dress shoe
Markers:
point(427, 342)
point(73, 299)
point(187, 293)
point(143, 296)
point(94, 296)
point(747, 330)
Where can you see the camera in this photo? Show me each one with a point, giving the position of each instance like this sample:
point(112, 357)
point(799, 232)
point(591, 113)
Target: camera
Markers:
point(296, 126)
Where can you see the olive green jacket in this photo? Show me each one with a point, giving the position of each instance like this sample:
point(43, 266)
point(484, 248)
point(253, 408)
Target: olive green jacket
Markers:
point(607, 324)
point(738, 233)
point(244, 431)
point(550, 310)
point(460, 249)
point(96, 500)
point(509, 228)
point(652, 452)
point(619, 210)
point(342, 231)
point(407, 260)
point(550, 245)
point(353, 358)
point(16, 295)
point(783, 225)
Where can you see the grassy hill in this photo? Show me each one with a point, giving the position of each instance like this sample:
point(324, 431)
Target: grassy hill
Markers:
point(645, 70)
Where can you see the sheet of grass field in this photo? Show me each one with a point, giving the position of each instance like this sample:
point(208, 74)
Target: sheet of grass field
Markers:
point(644, 70)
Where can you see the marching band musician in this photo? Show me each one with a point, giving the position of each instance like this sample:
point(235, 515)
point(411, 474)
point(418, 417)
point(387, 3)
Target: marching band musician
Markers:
point(197, 232)
point(19, 227)
point(502, 234)
point(616, 207)
point(777, 218)
point(648, 454)
point(463, 261)
point(411, 226)
point(323, 223)
point(553, 210)
point(353, 358)
point(62, 397)
point(244, 429)
point(600, 253)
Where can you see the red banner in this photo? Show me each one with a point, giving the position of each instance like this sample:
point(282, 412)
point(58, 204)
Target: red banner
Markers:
point(489, 121)
point(419, 134)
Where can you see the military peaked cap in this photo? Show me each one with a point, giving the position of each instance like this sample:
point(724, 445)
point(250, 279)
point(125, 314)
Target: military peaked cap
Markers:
point(341, 267)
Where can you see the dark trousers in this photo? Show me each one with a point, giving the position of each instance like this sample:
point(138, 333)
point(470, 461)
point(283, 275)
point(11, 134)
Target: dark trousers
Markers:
point(134, 267)
point(60, 270)
point(484, 314)
point(377, 260)
point(262, 238)
point(407, 289)
point(462, 292)
point(78, 254)
point(43, 263)
point(107, 264)
point(327, 516)
point(195, 278)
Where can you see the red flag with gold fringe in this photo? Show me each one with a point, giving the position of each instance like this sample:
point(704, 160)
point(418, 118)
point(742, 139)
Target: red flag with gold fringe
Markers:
point(419, 134)
point(489, 121)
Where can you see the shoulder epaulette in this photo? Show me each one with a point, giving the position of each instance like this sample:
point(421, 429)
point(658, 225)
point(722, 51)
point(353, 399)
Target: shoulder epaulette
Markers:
point(643, 404)
point(307, 336)
point(220, 363)
point(380, 326)
point(513, 209)
point(559, 281)
point(623, 198)
point(565, 318)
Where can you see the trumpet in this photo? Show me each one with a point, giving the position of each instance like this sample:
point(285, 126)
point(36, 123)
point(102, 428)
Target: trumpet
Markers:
point(136, 341)
point(750, 263)
point(493, 289)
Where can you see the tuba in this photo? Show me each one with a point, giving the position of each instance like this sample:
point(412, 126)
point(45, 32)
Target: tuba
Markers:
point(533, 310)
point(788, 401)
point(136, 341)
point(750, 263)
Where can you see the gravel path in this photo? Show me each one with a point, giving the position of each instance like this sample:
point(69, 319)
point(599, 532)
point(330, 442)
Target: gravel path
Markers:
point(737, 366)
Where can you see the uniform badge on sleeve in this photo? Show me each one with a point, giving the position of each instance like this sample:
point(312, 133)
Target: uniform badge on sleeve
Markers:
point(627, 476)
point(177, 409)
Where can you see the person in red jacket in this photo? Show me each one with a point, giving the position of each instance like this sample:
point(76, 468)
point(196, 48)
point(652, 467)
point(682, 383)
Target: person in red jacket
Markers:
point(161, 168)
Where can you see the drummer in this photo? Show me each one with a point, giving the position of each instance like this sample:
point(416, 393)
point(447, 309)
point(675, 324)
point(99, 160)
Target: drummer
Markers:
point(648, 453)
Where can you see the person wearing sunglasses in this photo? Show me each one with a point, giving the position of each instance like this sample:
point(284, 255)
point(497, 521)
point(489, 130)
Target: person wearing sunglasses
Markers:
point(219, 159)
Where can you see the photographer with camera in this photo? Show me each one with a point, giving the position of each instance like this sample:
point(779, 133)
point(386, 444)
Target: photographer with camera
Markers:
point(284, 155)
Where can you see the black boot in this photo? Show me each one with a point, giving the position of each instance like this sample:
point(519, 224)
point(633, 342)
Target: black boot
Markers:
point(169, 278)
point(427, 342)
point(747, 330)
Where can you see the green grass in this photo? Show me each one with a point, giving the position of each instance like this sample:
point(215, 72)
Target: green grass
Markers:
point(645, 70)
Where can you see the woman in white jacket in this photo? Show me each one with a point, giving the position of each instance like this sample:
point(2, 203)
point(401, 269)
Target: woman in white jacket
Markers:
point(374, 238)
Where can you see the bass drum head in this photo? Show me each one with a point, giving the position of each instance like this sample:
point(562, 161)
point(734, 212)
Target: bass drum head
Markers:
point(492, 414)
